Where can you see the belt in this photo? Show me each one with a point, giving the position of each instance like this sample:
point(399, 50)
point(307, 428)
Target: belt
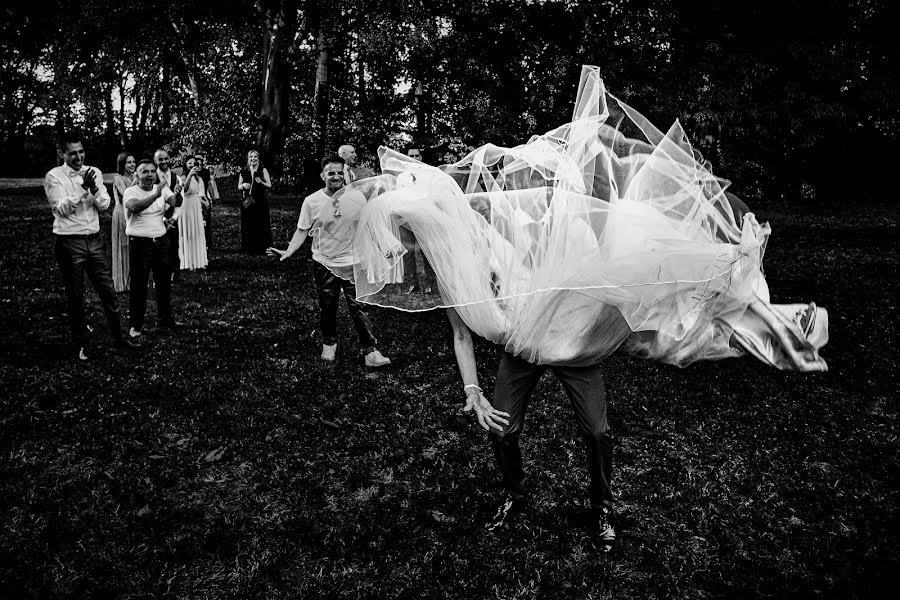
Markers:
point(153, 240)
point(79, 236)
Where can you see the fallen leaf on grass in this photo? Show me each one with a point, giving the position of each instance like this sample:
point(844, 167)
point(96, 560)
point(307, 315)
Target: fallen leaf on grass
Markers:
point(328, 423)
point(214, 455)
point(143, 511)
point(440, 517)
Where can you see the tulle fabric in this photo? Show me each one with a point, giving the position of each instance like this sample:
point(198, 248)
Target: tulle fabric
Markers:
point(603, 232)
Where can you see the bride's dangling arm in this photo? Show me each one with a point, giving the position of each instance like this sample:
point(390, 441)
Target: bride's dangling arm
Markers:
point(464, 349)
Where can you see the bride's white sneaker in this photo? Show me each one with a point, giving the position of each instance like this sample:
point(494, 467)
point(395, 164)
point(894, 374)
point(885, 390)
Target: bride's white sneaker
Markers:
point(806, 319)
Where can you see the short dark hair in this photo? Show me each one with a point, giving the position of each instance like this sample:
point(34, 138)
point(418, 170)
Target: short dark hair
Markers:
point(68, 137)
point(120, 162)
point(145, 161)
point(332, 158)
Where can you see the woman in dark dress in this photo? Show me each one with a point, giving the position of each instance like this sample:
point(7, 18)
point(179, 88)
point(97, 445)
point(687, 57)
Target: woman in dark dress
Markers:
point(256, 227)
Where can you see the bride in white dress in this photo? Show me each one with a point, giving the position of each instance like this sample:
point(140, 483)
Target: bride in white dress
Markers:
point(603, 233)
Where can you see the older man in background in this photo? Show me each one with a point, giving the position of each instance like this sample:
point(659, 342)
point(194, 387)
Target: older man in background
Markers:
point(165, 176)
point(348, 153)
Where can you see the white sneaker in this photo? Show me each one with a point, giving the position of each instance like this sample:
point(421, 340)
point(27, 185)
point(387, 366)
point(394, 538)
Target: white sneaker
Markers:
point(134, 333)
point(375, 359)
point(805, 319)
point(328, 352)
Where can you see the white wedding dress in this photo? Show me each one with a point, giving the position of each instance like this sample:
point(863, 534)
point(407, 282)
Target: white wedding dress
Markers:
point(600, 234)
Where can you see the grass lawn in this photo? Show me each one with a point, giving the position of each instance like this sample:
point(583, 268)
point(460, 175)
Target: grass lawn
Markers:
point(224, 460)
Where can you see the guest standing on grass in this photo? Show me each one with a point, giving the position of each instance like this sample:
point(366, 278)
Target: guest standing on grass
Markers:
point(124, 179)
point(76, 193)
point(348, 153)
point(149, 245)
point(191, 237)
point(324, 215)
point(212, 196)
point(256, 227)
point(167, 177)
point(413, 258)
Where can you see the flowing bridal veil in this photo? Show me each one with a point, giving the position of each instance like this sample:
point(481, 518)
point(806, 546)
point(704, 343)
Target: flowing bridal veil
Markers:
point(602, 233)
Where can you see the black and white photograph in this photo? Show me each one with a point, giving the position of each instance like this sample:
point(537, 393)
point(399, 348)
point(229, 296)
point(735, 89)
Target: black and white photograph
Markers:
point(501, 299)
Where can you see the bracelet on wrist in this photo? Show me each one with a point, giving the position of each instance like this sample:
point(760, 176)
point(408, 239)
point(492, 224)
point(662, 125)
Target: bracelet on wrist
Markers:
point(477, 390)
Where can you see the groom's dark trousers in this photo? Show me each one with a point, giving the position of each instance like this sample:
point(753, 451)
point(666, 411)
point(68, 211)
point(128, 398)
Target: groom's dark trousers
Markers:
point(516, 381)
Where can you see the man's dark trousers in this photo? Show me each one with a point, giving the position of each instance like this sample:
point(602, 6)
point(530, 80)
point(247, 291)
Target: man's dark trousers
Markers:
point(516, 381)
point(174, 258)
point(78, 255)
point(329, 287)
point(172, 234)
point(146, 255)
point(207, 223)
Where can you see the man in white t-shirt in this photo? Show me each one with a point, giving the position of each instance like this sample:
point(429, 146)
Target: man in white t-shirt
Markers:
point(323, 216)
point(146, 226)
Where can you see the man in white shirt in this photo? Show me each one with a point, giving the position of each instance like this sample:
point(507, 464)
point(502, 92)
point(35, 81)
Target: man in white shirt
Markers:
point(167, 177)
point(76, 193)
point(348, 153)
point(146, 226)
point(332, 248)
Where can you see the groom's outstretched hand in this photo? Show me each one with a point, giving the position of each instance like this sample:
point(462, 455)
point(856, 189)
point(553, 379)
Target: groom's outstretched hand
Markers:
point(275, 252)
point(488, 416)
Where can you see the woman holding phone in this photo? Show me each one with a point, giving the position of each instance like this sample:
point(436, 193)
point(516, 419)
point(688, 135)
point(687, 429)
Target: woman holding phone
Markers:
point(191, 237)
point(256, 228)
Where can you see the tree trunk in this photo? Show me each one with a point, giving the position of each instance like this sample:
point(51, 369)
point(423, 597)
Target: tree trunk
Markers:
point(164, 94)
point(145, 108)
point(361, 79)
point(189, 67)
point(110, 113)
point(123, 128)
point(62, 95)
point(138, 104)
point(321, 95)
point(278, 39)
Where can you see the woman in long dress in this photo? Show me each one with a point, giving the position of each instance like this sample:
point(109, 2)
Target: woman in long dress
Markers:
point(603, 233)
point(125, 166)
point(191, 236)
point(256, 227)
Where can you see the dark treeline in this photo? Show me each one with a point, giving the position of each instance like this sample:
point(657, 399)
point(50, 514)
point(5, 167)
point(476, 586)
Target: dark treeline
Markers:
point(794, 101)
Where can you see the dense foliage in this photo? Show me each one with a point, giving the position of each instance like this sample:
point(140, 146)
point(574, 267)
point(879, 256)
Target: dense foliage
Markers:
point(781, 96)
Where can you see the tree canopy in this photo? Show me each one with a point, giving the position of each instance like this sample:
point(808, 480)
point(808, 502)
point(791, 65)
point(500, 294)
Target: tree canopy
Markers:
point(782, 97)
